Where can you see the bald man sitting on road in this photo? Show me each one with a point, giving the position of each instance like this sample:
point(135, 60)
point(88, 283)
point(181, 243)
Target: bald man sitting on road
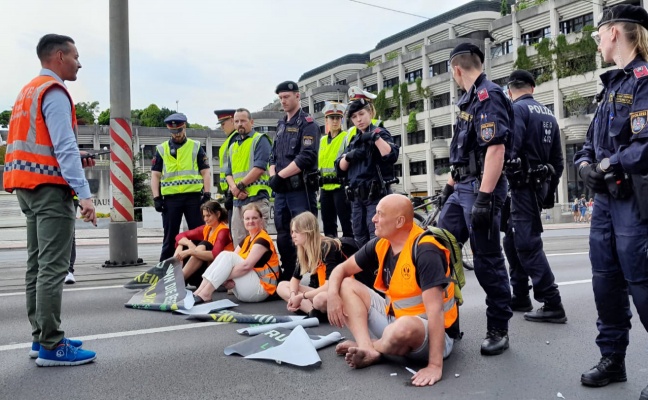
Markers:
point(418, 317)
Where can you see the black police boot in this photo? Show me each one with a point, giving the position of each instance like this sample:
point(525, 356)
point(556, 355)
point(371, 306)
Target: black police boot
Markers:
point(495, 343)
point(644, 394)
point(548, 313)
point(609, 369)
point(521, 303)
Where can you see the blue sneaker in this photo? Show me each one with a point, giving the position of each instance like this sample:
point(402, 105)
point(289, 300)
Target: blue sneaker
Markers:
point(33, 353)
point(64, 354)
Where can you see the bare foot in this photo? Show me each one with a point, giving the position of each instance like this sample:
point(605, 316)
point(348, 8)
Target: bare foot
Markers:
point(360, 358)
point(342, 348)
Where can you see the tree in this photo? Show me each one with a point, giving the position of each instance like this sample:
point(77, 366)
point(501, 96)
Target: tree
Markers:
point(3, 151)
point(5, 117)
point(150, 116)
point(104, 117)
point(504, 8)
point(197, 127)
point(86, 112)
point(141, 191)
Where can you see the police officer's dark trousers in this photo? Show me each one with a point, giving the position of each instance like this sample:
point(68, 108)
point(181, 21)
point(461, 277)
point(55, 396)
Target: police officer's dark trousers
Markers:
point(490, 268)
point(523, 248)
point(362, 213)
point(333, 205)
point(287, 206)
point(175, 206)
point(618, 244)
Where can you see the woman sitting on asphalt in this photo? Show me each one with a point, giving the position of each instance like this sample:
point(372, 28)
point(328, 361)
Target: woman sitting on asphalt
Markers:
point(317, 255)
point(251, 271)
point(212, 239)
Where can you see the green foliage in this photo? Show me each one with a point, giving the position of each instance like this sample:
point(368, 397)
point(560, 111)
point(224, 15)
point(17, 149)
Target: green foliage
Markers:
point(396, 98)
point(392, 55)
point(504, 8)
point(381, 104)
point(141, 191)
point(197, 127)
point(404, 94)
point(576, 104)
point(370, 64)
point(3, 151)
point(5, 117)
point(104, 117)
point(411, 122)
point(523, 61)
point(421, 91)
point(86, 112)
point(150, 116)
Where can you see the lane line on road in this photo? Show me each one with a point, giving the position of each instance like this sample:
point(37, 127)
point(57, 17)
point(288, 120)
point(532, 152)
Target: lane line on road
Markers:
point(122, 334)
point(573, 282)
point(81, 289)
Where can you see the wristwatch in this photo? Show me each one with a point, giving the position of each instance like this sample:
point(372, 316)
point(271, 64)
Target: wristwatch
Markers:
point(604, 165)
point(241, 186)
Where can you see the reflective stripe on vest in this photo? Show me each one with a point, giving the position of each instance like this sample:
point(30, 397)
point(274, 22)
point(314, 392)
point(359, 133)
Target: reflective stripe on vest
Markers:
point(211, 234)
point(180, 173)
point(328, 153)
point(268, 273)
point(241, 157)
point(30, 160)
point(223, 162)
point(404, 296)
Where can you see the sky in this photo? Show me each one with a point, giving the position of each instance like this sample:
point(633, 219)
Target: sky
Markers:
point(204, 54)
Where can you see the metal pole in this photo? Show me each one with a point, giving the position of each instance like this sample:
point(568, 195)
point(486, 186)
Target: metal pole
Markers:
point(122, 231)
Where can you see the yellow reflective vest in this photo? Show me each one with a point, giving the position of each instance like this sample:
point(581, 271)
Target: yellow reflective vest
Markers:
point(328, 153)
point(180, 173)
point(241, 159)
point(222, 162)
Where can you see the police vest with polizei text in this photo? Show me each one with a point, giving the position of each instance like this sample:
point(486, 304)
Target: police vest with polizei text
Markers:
point(241, 159)
point(180, 173)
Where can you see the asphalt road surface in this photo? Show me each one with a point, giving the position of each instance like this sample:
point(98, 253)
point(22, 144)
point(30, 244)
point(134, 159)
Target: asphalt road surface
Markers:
point(155, 355)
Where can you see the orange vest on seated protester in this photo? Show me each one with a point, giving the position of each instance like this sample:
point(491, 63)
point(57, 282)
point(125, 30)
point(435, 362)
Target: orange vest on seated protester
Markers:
point(269, 272)
point(30, 159)
point(404, 295)
point(210, 234)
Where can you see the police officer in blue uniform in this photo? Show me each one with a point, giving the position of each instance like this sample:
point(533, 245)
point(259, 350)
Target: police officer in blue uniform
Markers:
point(613, 163)
point(477, 187)
point(368, 161)
point(533, 174)
point(180, 181)
point(293, 170)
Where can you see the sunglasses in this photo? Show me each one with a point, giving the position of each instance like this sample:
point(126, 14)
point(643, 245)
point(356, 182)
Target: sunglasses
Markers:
point(176, 131)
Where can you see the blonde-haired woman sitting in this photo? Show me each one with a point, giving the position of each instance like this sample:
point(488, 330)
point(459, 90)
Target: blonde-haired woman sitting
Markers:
point(252, 270)
point(317, 255)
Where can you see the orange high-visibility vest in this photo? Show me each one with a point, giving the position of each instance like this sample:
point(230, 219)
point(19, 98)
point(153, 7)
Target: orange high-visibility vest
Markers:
point(268, 273)
point(210, 234)
point(404, 296)
point(30, 159)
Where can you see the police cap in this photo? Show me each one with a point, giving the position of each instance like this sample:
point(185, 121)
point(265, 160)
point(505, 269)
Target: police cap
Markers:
point(625, 13)
point(356, 93)
point(333, 108)
point(287, 86)
point(175, 120)
point(222, 115)
point(467, 48)
point(522, 76)
point(356, 106)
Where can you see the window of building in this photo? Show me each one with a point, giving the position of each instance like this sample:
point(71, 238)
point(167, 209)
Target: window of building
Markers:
point(319, 106)
point(398, 169)
point(390, 82)
point(418, 168)
point(441, 166)
point(502, 48)
point(397, 140)
point(576, 24)
point(410, 77)
point(371, 88)
point(441, 100)
point(579, 106)
point(416, 137)
point(550, 107)
point(501, 82)
point(305, 109)
point(442, 132)
point(536, 36)
point(341, 82)
point(265, 129)
point(439, 68)
point(416, 106)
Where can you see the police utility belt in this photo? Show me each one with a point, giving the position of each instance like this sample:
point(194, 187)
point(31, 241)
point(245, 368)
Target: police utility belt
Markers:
point(459, 172)
point(373, 190)
point(301, 181)
point(534, 178)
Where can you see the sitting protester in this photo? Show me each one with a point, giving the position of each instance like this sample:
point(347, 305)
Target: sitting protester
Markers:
point(418, 318)
point(251, 271)
point(211, 239)
point(317, 255)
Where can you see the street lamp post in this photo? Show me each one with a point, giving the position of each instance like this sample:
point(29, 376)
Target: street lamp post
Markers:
point(142, 155)
point(177, 101)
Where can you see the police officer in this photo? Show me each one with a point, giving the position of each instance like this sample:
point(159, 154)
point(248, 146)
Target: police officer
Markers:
point(355, 93)
point(180, 181)
point(477, 188)
point(293, 170)
point(333, 201)
point(612, 164)
point(226, 121)
point(368, 162)
point(533, 175)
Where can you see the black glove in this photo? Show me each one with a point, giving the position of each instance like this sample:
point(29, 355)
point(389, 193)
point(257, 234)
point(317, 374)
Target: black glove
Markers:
point(159, 203)
point(447, 191)
point(352, 155)
point(277, 184)
point(481, 211)
point(550, 198)
point(206, 196)
point(369, 137)
point(593, 179)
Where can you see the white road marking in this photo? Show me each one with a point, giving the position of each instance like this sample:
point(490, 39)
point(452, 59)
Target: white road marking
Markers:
point(122, 334)
point(573, 282)
point(81, 289)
